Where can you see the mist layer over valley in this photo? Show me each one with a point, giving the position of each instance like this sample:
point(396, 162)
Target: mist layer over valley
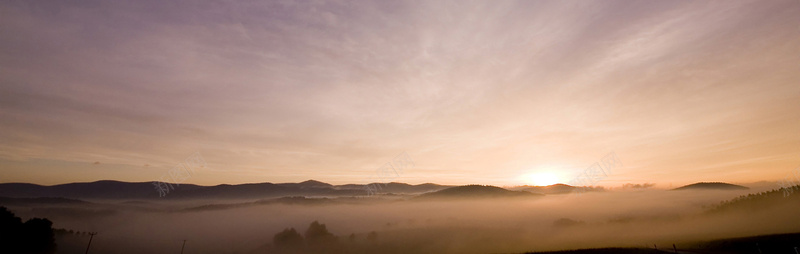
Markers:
point(412, 223)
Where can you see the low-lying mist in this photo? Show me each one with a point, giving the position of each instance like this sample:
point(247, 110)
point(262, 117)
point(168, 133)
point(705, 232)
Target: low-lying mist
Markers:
point(407, 225)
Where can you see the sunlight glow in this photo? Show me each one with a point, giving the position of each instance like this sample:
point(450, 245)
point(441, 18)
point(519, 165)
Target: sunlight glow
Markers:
point(542, 179)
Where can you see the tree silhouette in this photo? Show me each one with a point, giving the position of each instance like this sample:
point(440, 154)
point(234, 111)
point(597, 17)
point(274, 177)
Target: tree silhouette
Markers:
point(35, 236)
point(317, 234)
point(288, 240)
point(318, 240)
point(10, 228)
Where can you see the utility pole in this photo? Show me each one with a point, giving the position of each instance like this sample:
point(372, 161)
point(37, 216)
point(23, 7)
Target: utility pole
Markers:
point(91, 236)
point(182, 246)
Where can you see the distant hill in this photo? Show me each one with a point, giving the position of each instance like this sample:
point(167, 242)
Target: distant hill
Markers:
point(284, 200)
point(93, 190)
point(712, 186)
point(556, 189)
point(4, 201)
point(307, 184)
point(146, 190)
point(404, 188)
point(475, 191)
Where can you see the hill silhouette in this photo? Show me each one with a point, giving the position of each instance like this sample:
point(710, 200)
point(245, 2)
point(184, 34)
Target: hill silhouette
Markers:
point(295, 200)
point(712, 186)
point(558, 188)
point(777, 243)
point(308, 184)
point(475, 191)
point(39, 201)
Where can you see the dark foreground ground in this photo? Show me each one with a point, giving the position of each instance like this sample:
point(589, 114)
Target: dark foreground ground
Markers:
point(778, 244)
point(607, 251)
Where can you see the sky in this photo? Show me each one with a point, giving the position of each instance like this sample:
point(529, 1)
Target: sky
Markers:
point(474, 92)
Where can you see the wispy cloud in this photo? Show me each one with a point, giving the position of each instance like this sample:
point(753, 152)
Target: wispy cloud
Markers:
point(475, 90)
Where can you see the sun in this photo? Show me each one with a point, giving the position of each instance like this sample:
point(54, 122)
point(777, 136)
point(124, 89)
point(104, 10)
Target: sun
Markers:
point(541, 179)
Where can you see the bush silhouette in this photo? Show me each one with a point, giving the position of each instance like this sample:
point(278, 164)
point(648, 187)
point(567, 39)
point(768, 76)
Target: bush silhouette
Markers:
point(35, 236)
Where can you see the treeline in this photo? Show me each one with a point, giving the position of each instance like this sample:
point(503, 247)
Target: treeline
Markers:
point(34, 236)
point(64, 232)
point(755, 201)
point(317, 239)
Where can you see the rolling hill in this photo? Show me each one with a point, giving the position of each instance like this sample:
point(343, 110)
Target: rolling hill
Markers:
point(475, 191)
point(712, 186)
